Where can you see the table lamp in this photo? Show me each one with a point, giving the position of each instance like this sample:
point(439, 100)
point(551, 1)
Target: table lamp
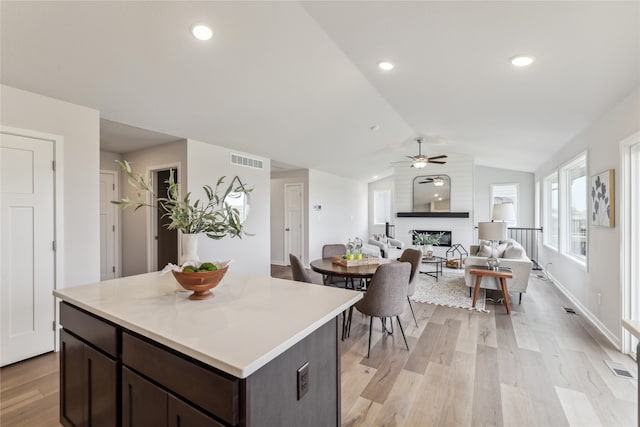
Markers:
point(503, 212)
point(492, 231)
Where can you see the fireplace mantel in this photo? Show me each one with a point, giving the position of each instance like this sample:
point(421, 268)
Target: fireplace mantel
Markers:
point(432, 214)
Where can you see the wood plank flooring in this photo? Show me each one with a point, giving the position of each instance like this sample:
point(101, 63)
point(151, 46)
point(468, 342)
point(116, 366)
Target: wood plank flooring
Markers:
point(538, 367)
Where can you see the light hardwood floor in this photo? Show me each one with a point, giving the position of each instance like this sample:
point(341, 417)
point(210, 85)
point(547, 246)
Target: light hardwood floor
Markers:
point(538, 367)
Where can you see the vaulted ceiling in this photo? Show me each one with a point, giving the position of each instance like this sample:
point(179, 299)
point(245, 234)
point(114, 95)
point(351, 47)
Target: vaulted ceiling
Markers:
point(298, 82)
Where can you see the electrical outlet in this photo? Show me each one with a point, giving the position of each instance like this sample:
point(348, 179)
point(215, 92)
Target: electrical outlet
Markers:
point(599, 298)
point(303, 380)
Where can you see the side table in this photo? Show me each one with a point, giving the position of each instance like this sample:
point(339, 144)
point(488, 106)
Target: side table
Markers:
point(501, 274)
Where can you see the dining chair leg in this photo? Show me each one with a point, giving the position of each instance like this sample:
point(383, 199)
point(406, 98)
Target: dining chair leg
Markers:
point(414, 314)
point(402, 330)
point(370, 330)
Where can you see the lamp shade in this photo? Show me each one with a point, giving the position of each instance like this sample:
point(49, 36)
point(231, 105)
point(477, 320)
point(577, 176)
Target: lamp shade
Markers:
point(492, 230)
point(503, 212)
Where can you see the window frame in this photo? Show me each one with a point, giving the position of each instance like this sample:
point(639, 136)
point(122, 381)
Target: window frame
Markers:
point(515, 202)
point(565, 232)
point(549, 180)
point(388, 202)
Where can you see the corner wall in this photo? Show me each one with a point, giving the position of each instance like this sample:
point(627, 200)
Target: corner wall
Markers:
point(601, 140)
point(135, 225)
point(80, 128)
point(251, 254)
point(344, 211)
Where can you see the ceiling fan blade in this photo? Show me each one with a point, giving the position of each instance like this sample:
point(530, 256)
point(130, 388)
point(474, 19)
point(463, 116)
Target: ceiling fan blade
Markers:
point(438, 162)
point(429, 181)
point(444, 156)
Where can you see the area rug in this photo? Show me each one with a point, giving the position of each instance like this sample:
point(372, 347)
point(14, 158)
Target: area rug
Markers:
point(449, 291)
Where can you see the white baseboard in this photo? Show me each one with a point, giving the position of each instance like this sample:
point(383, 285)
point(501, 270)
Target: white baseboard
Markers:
point(586, 313)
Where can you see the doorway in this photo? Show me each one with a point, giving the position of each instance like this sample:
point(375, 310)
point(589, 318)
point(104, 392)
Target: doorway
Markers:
point(28, 246)
point(293, 221)
point(109, 227)
point(166, 240)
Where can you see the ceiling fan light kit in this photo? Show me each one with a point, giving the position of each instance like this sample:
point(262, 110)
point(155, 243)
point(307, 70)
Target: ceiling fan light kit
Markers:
point(420, 161)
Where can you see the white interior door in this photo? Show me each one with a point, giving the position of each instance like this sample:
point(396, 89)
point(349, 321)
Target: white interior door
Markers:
point(293, 232)
point(107, 226)
point(27, 255)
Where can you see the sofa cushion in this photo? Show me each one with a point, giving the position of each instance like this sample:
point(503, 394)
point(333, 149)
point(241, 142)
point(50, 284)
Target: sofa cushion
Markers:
point(500, 250)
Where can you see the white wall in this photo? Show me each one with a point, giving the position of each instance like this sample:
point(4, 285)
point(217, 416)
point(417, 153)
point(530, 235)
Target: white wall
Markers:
point(380, 185)
point(251, 254)
point(344, 211)
point(108, 162)
point(80, 128)
point(278, 180)
point(485, 176)
point(459, 167)
point(601, 140)
point(135, 225)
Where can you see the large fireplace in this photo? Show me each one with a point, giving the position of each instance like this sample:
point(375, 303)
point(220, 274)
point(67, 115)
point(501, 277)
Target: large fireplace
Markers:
point(445, 240)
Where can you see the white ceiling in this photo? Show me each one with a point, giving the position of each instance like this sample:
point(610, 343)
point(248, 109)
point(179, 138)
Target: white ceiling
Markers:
point(297, 82)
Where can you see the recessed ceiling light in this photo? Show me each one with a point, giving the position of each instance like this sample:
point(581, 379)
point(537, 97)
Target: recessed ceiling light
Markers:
point(375, 177)
point(522, 60)
point(201, 32)
point(386, 66)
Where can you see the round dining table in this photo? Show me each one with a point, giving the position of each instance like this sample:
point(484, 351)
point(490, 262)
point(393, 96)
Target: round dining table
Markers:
point(326, 266)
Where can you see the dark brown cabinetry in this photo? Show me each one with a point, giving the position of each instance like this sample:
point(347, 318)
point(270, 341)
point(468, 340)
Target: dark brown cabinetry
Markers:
point(111, 376)
point(88, 391)
point(146, 404)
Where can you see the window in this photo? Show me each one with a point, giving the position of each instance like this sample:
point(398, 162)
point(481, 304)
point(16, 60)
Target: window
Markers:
point(574, 177)
point(381, 207)
point(551, 217)
point(502, 194)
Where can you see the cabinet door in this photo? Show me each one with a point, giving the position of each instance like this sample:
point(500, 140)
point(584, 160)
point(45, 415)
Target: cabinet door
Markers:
point(101, 396)
point(183, 415)
point(71, 380)
point(143, 403)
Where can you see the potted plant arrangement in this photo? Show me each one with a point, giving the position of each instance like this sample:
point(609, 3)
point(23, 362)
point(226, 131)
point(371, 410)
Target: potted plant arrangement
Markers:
point(426, 241)
point(213, 217)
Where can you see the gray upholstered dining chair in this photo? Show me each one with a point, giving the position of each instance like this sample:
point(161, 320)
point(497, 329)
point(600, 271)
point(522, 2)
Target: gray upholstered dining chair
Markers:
point(300, 274)
point(329, 251)
point(386, 296)
point(413, 257)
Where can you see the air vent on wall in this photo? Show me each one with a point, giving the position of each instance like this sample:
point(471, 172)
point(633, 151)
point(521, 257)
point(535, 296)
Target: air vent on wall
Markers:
point(248, 162)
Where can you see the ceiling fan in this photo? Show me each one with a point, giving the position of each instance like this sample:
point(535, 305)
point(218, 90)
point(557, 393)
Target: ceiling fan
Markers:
point(421, 160)
point(438, 181)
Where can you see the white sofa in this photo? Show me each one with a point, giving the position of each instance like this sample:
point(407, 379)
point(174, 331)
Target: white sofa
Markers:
point(512, 255)
point(389, 248)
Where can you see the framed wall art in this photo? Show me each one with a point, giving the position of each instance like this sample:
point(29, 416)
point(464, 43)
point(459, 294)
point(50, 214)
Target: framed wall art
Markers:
point(603, 199)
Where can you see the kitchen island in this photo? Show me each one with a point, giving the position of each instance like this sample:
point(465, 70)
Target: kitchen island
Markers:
point(261, 352)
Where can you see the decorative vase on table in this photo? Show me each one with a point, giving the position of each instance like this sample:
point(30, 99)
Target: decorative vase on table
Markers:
point(427, 251)
point(189, 245)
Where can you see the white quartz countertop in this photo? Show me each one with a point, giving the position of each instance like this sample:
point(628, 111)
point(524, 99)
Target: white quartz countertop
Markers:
point(632, 326)
point(249, 322)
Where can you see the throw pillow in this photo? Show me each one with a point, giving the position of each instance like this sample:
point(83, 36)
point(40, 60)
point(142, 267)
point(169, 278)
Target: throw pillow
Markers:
point(484, 250)
point(500, 250)
point(513, 252)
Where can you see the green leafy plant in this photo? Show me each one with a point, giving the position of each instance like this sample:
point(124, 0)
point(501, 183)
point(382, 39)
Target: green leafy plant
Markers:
point(427, 239)
point(214, 216)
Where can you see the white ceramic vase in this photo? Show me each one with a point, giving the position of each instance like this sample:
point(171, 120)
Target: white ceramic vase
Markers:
point(189, 245)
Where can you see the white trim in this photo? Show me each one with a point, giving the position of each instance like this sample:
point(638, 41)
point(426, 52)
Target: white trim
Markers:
point(624, 213)
point(302, 229)
point(152, 249)
point(585, 312)
point(116, 220)
point(58, 207)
